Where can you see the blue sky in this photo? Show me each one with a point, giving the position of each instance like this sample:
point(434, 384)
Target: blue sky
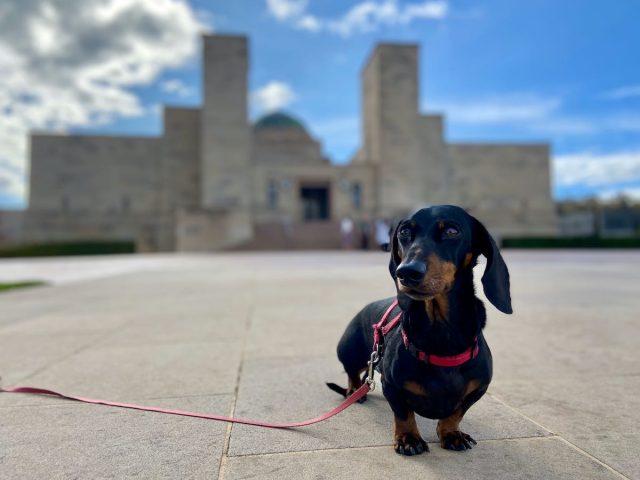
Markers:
point(562, 72)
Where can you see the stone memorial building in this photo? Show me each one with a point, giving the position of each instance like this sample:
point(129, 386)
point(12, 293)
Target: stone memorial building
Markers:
point(213, 180)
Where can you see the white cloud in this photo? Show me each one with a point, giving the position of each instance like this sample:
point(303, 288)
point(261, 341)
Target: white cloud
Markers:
point(368, 15)
point(499, 109)
point(286, 9)
point(624, 122)
point(596, 170)
point(538, 114)
point(12, 182)
point(309, 23)
point(273, 96)
point(363, 17)
point(563, 125)
point(620, 93)
point(176, 86)
point(615, 193)
point(71, 63)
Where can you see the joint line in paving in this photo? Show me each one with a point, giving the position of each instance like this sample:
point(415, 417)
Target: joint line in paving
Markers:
point(229, 430)
point(84, 347)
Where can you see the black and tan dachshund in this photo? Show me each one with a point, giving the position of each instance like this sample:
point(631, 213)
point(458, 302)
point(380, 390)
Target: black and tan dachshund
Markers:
point(432, 258)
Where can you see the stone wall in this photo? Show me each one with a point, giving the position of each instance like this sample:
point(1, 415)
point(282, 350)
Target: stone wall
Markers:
point(147, 231)
point(95, 174)
point(209, 230)
point(505, 186)
point(11, 226)
point(97, 188)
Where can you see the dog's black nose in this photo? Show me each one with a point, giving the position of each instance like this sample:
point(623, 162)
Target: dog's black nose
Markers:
point(411, 274)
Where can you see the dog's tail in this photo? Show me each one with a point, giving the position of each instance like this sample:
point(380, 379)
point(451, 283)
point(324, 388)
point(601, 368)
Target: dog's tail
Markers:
point(338, 389)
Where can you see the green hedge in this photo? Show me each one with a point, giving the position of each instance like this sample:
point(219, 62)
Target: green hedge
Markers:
point(570, 242)
point(67, 249)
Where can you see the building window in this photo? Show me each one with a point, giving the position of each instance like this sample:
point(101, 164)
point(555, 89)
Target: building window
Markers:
point(272, 194)
point(356, 196)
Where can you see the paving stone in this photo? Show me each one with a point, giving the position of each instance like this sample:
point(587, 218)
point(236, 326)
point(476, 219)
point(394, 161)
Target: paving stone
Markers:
point(520, 459)
point(599, 415)
point(72, 440)
point(123, 373)
point(573, 340)
point(23, 354)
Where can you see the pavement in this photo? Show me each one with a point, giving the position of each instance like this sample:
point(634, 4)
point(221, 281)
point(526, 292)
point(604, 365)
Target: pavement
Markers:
point(254, 335)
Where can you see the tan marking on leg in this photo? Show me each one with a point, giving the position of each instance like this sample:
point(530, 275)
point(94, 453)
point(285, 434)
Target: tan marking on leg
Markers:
point(448, 425)
point(449, 433)
point(408, 425)
point(406, 431)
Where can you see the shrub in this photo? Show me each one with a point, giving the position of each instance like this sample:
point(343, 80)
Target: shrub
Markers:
point(570, 242)
point(67, 249)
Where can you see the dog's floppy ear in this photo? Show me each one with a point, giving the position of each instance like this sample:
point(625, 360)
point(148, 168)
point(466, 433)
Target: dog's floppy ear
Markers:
point(495, 280)
point(395, 259)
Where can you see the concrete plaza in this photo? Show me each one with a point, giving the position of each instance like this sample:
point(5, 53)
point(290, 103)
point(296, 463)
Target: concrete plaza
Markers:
point(254, 335)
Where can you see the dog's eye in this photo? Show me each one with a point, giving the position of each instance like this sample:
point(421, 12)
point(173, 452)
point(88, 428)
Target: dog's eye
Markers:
point(404, 232)
point(450, 232)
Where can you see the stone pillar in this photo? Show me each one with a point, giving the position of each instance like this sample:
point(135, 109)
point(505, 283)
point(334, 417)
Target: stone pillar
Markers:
point(181, 147)
point(435, 165)
point(391, 127)
point(225, 140)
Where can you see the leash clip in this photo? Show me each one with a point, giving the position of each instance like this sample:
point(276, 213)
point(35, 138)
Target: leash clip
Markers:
point(371, 364)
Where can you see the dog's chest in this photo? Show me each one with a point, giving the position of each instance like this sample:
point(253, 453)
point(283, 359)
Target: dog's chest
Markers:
point(434, 397)
point(430, 392)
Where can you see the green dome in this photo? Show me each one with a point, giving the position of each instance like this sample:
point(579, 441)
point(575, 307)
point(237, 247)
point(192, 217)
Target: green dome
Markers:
point(279, 120)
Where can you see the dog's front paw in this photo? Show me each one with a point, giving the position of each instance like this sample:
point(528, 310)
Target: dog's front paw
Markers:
point(457, 441)
point(408, 444)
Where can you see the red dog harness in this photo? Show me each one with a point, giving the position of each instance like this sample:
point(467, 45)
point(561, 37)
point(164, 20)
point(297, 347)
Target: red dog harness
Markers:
point(382, 329)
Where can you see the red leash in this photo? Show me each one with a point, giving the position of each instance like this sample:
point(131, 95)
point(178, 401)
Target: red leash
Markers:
point(380, 330)
point(357, 395)
point(366, 387)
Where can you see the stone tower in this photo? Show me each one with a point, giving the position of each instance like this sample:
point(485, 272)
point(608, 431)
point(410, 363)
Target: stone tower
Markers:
point(406, 147)
point(225, 139)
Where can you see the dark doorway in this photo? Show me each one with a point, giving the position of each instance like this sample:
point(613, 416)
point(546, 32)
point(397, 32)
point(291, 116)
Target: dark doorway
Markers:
point(315, 203)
